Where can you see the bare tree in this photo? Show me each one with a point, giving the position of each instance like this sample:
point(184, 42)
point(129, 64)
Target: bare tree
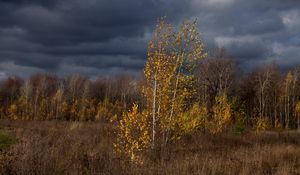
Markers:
point(215, 76)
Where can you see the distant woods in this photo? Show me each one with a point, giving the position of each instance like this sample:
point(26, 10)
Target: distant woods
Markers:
point(265, 92)
point(74, 98)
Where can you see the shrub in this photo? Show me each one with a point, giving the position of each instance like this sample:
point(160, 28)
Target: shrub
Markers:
point(239, 127)
point(6, 140)
point(262, 124)
point(133, 136)
point(222, 115)
point(190, 121)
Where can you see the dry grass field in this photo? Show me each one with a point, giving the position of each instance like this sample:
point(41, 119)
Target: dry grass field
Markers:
point(52, 147)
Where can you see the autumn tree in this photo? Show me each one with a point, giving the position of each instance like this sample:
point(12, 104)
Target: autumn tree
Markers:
point(171, 60)
point(221, 115)
point(190, 121)
point(287, 97)
point(133, 136)
point(58, 105)
point(297, 110)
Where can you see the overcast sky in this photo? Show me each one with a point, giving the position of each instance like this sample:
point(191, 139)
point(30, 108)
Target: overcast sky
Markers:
point(95, 37)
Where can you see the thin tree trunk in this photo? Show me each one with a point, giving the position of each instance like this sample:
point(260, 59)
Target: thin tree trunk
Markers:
point(173, 98)
point(275, 108)
point(260, 104)
point(154, 110)
point(288, 112)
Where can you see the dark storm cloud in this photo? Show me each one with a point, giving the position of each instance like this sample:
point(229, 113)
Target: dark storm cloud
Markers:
point(106, 36)
point(77, 21)
point(46, 34)
point(44, 3)
point(244, 48)
point(249, 30)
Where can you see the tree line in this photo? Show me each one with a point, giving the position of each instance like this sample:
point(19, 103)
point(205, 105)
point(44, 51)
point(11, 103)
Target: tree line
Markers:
point(74, 98)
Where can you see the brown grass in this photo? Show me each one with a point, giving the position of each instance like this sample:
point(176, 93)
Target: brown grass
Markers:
point(50, 147)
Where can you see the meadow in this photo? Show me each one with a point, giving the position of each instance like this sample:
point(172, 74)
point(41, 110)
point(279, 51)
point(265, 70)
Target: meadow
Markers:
point(58, 147)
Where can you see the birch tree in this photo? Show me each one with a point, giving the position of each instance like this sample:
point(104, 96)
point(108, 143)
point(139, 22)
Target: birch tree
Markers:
point(171, 60)
point(287, 98)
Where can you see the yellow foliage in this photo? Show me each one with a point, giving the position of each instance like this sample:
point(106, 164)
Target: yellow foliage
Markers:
point(262, 124)
point(87, 110)
point(169, 86)
point(64, 109)
point(12, 112)
point(133, 135)
point(42, 112)
point(23, 107)
point(288, 79)
point(190, 121)
point(297, 109)
point(186, 93)
point(103, 112)
point(74, 110)
point(108, 111)
point(222, 115)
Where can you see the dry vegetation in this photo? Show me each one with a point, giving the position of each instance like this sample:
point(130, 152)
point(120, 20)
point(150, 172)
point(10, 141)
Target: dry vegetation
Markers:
point(52, 147)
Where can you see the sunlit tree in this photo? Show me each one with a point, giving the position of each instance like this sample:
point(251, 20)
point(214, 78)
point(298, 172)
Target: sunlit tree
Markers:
point(172, 56)
point(133, 135)
point(222, 115)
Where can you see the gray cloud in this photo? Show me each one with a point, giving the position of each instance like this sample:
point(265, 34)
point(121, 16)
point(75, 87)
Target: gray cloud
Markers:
point(248, 29)
point(101, 37)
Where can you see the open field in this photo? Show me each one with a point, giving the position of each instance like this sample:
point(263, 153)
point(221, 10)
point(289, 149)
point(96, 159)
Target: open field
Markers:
point(50, 147)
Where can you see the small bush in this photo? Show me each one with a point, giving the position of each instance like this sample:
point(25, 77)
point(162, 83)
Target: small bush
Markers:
point(6, 140)
point(239, 127)
point(262, 124)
